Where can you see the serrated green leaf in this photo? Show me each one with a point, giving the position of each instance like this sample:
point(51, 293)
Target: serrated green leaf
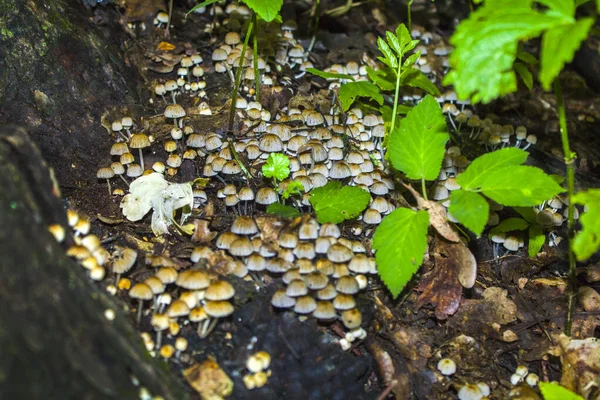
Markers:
point(470, 209)
point(566, 9)
point(558, 47)
point(519, 185)
point(329, 75)
point(525, 74)
point(417, 147)
point(485, 47)
point(384, 78)
point(277, 166)
point(477, 171)
point(527, 58)
point(394, 43)
point(527, 213)
point(266, 9)
point(536, 240)
point(509, 225)
point(294, 187)
point(351, 90)
point(410, 60)
point(553, 391)
point(200, 5)
point(334, 203)
point(282, 210)
point(390, 58)
point(587, 241)
point(400, 241)
point(415, 78)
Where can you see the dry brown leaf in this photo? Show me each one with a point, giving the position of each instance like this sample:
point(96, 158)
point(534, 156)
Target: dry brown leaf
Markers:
point(580, 364)
point(165, 46)
point(437, 216)
point(410, 343)
point(484, 315)
point(202, 234)
point(441, 286)
point(209, 380)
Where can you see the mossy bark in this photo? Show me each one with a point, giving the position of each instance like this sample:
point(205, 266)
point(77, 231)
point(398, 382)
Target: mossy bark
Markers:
point(55, 341)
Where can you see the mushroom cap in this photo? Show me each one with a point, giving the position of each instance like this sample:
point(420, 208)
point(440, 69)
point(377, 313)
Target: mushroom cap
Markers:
point(141, 291)
point(316, 280)
point(178, 308)
point(155, 284)
point(241, 247)
point(305, 305)
point(327, 293)
point(105, 173)
point(344, 302)
point(193, 280)
point(219, 290)
point(281, 300)
point(160, 322)
point(296, 288)
point(244, 225)
point(174, 111)
point(324, 311)
point(352, 318)
point(198, 314)
point(338, 253)
point(218, 309)
point(139, 141)
point(347, 285)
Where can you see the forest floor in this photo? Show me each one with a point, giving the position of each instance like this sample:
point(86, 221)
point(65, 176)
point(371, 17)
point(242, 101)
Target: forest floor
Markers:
point(513, 317)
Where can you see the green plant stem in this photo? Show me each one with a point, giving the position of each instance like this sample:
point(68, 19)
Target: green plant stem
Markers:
point(570, 164)
point(316, 28)
point(424, 188)
point(397, 93)
point(238, 76)
point(409, 4)
point(255, 57)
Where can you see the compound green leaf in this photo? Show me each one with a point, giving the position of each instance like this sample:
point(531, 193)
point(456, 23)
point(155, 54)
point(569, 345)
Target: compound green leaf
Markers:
point(509, 225)
point(400, 241)
point(559, 45)
point(565, 9)
point(329, 75)
point(587, 241)
point(394, 43)
point(485, 47)
point(405, 39)
point(415, 78)
point(351, 90)
point(334, 203)
point(519, 185)
point(417, 147)
point(277, 166)
point(390, 58)
point(282, 210)
point(478, 170)
point(536, 240)
point(266, 9)
point(294, 187)
point(384, 78)
point(470, 209)
point(553, 391)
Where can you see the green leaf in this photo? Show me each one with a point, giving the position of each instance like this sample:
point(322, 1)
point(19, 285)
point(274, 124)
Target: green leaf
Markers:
point(553, 391)
point(587, 241)
point(329, 75)
point(565, 9)
point(394, 43)
point(476, 172)
point(277, 166)
point(410, 60)
point(558, 47)
point(334, 203)
point(509, 225)
point(386, 112)
point(351, 90)
point(536, 240)
point(405, 39)
point(528, 214)
point(527, 58)
point(525, 74)
point(384, 78)
point(519, 185)
point(418, 146)
point(266, 9)
point(390, 58)
point(200, 5)
point(415, 78)
point(282, 210)
point(400, 241)
point(470, 209)
point(485, 47)
point(294, 187)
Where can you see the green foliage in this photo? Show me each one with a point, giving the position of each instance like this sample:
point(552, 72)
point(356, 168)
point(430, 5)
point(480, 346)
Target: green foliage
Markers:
point(400, 243)
point(476, 173)
point(276, 167)
point(528, 222)
point(282, 210)
point(200, 5)
point(268, 10)
point(587, 241)
point(329, 75)
point(351, 90)
point(509, 225)
point(334, 203)
point(417, 147)
point(553, 391)
point(536, 240)
point(470, 208)
point(293, 188)
point(486, 45)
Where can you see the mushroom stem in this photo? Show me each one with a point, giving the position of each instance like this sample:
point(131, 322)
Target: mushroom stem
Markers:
point(108, 183)
point(139, 314)
point(141, 159)
point(173, 94)
point(158, 339)
point(163, 97)
point(124, 180)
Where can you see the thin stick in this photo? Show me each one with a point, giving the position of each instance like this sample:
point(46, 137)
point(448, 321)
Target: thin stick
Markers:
point(570, 164)
point(255, 56)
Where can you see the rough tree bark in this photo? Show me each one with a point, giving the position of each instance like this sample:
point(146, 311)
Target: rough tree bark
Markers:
point(58, 73)
point(54, 338)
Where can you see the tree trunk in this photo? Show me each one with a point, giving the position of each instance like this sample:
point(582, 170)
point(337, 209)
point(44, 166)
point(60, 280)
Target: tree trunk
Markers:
point(56, 342)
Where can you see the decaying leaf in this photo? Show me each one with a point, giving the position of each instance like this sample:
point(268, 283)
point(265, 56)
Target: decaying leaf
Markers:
point(202, 234)
point(209, 380)
point(142, 245)
point(485, 314)
point(437, 216)
point(455, 268)
point(410, 343)
point(580, 364)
